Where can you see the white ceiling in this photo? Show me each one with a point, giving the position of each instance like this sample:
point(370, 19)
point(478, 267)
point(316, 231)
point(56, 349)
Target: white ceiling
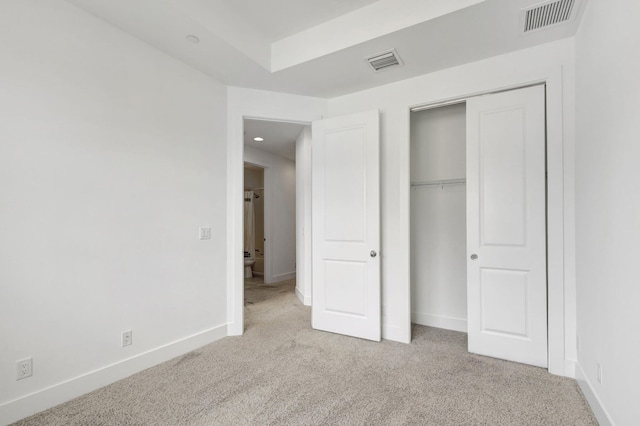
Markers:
point(279, 138)
point(282, 18)
point(316, 47)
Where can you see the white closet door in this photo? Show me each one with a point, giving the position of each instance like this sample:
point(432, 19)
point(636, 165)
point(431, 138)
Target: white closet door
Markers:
point(346, 225)
point(506, 231)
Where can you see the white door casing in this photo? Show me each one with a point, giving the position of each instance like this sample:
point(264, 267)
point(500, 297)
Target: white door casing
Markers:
point(346, 225)
point(506, 230)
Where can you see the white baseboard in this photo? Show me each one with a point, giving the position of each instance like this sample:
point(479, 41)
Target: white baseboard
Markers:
point(306, 300)
point(592, 398)
point(283, 277)
point(439, 321)
point(43, 399)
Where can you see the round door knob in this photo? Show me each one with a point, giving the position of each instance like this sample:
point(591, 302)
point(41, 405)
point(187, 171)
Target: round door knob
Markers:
point(474, 256)
point(373, 253)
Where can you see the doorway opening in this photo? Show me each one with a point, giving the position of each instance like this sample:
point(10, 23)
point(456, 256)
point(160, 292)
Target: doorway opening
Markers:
point(272, 206)
point(254, 220)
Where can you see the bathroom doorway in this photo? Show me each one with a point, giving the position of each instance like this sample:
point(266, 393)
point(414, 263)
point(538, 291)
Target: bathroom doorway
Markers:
point(254, 221)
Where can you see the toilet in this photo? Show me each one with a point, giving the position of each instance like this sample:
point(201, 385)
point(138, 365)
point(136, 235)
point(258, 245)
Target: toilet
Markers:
point(248, 263)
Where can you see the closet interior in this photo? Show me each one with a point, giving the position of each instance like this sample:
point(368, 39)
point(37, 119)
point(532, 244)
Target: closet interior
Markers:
point(438, 217)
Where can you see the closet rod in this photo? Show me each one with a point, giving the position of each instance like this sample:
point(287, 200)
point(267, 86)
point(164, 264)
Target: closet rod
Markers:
point(438, 182)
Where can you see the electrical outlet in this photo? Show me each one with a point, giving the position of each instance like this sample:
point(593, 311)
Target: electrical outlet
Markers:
point(25, 368)
point(599, 373)
point(127, 338)
point(205, 233)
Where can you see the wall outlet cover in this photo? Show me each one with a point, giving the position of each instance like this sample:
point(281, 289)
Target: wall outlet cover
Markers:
point(205, 233)
point(25, 368)
point(127, 338)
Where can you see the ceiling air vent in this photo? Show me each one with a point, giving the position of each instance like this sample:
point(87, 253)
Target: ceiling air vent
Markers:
point(384, 60)
point(547, 13)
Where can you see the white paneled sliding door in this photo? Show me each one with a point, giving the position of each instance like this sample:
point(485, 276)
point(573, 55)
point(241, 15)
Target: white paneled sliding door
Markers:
point(506, 231)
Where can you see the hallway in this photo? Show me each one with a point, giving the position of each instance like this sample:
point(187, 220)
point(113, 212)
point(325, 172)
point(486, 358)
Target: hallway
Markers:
point(262, 301)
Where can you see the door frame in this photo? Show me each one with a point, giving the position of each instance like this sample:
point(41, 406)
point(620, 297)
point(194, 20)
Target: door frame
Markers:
point(235, 200)
point(555, 209)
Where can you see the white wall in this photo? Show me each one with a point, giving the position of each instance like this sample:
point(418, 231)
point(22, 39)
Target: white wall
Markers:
point(250, 103)
point(438, 218)
point(112, 155)
point(552, 63)
point(280, 213)
point(608, 208)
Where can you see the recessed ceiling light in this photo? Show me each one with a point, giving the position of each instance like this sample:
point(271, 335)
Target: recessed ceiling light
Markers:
point(193, 39)
point(258, 139)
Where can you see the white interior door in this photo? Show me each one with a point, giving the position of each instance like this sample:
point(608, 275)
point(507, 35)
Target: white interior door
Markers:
point(506, 231)
point(346, 225)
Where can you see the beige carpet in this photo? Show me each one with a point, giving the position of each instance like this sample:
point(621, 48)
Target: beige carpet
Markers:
point(282, 372)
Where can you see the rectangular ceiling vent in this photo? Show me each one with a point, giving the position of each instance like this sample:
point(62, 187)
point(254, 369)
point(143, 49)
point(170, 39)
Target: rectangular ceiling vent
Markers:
point(547, 14)
point(384, 60)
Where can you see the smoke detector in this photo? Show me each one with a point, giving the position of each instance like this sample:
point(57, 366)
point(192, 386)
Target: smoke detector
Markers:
point(384, 60)
point(546, 14)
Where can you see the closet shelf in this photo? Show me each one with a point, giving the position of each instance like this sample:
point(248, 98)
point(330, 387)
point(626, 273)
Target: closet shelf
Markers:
point(439, 182)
